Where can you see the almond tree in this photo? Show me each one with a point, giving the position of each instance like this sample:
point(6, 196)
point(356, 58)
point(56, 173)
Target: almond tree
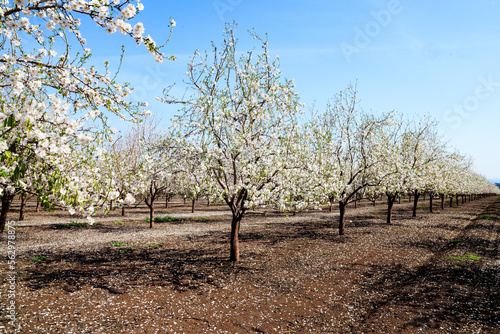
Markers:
point(155, 164)
point(191, 178)
point(239, 123)
point(350, 154)
point(50, 97)
point(428, 150)
point(123, 158)
point(404, 159)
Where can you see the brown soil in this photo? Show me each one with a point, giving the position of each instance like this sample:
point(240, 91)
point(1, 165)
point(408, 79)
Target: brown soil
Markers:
point(438, 273)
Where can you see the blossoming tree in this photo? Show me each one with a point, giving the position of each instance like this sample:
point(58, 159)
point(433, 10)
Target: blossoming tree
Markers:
point(155, 163)
point(239, 120)
point(50, 98)
point(349, 153)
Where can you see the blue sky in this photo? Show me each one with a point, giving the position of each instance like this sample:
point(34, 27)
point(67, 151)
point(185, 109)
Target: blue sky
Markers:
point(438, 58)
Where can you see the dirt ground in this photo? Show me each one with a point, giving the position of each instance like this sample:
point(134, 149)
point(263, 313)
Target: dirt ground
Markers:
point(437, 273)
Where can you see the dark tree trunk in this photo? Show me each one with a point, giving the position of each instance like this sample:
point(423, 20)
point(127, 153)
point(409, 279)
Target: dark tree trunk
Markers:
point(431, 197)
point(152, 215)
point(374, 202)
point(451, 201)
point(192, 205)
point(330, 209)
point(409, 198)
point(6, 202)
point(184, 200)
point(416, 195)
point(390, 203)
point(22, 209)
point(235, 231)
point(208, 202)
point(399, 199)
point(442, 202)
point(342, 207)
point(37, 204)
point(150, 202)
point(457, 199)
point(123, 210)
point(424, 196)
point(355, 204)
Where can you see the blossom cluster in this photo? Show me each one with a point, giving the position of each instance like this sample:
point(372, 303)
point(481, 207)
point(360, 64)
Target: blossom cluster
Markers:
point(53, 108)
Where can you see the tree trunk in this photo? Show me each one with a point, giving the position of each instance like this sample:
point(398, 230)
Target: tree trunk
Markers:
point(123, 210)
point(37, 204)
point(6, 202)
point(451, 201)
point(22, 209)
point(192, 205)
point(152, 215)
point(431, 197)
point(442, 202)
point(390, 204)
point(457, 199)
point(235, 231)
point(416, 195)
point(374, 202)
point(342, 207)
point(184, 200)
point(399, 199)
point(208, 202)
point(151, 205)
point(409, 198)
point(166, 201)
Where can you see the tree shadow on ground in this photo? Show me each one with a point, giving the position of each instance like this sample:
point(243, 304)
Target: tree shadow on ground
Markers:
point(436, 293)
point(118, 269)
point(452, 289)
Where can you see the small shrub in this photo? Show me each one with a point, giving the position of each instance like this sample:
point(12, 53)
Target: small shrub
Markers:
point(118, 244)
point(38, 259)
point(119, 222)
point(488, 217)
point(71, 224)
point(76, 224)
point(464, 257)
point(164, 219)
point(457, 240)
